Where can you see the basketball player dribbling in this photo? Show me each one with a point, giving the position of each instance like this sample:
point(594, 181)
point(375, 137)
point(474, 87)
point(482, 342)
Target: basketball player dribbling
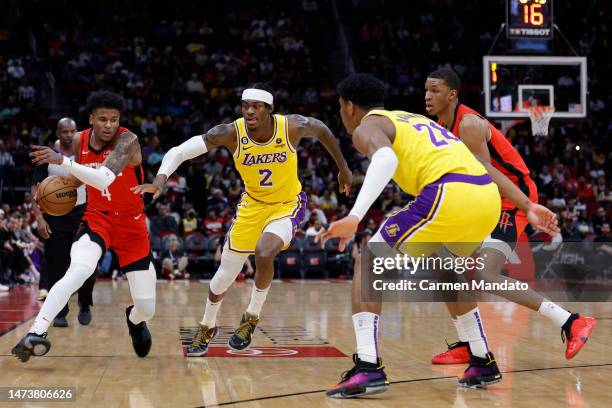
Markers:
point(108, 160)
point(457, 205)
point(263, 146)
point(488, 143)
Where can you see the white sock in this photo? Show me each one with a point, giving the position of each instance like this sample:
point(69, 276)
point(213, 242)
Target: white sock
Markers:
point(210, 313)
point(460, 333)
point(471, 326)
point(258, 297)
point(554, 312)
point(366, 333)
point(40, 325)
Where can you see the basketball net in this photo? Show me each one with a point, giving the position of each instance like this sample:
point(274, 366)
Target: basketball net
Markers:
point(540, 118)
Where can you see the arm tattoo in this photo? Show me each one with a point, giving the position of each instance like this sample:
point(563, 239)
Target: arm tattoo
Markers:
point(125, 146)
point(307, 127)
point(218, 136)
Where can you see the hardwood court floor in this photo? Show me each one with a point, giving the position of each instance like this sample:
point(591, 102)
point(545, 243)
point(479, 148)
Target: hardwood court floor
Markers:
point(98, 359)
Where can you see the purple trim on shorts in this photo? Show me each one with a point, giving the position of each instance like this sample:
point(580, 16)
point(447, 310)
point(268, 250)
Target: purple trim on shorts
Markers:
point(484, 338)
point(481, 180)
point(300, 212)
point(420, 212)
point(413, 216)
point(376, 335)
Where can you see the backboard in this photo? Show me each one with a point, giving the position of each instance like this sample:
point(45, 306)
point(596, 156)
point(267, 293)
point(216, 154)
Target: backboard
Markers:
point(512, 83)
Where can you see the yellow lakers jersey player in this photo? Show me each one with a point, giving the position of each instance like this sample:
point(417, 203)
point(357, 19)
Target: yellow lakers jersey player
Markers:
point(456, 200)
point(272, 207)
point(273, 192)
point(456, 206)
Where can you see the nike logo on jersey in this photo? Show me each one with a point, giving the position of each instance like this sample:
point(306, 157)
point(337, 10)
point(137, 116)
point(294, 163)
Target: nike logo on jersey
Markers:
point(247, 147)
point(138, 216)
point(84, 152)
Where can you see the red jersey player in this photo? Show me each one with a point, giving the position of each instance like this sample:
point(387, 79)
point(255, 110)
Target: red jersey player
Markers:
point(489, 144)
point(108, 160)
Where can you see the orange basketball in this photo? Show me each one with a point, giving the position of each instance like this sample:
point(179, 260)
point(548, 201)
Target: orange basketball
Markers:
point(56, 195)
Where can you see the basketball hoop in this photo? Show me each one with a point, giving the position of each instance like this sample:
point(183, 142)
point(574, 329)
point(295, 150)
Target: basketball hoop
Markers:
point(540, 117)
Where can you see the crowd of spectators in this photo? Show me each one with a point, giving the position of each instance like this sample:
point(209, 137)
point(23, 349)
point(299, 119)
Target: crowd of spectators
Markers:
point(182, 71)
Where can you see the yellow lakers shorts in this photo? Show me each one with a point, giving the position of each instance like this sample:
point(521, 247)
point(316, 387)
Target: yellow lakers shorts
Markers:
point(253, 216)
point(458, 212)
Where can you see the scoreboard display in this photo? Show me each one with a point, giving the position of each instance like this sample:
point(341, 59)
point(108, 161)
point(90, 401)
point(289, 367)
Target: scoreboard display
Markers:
point(529, 19)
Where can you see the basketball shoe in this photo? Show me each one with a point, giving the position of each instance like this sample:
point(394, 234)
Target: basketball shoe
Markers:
point(457, 353)
point(31, 344)
point(84, 315)
point(243, 335)
point(199, 345)
point(481, 372)
point(363, 379)
point(576, 331)
point(141, 337)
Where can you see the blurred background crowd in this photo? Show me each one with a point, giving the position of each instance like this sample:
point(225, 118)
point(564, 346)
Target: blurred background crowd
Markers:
point(182, 67)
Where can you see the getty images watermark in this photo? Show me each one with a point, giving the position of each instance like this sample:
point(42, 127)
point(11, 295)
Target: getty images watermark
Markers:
point(567, 271)
point(459, 265)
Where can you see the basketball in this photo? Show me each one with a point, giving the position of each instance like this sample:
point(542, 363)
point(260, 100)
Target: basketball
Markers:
point(57, 195)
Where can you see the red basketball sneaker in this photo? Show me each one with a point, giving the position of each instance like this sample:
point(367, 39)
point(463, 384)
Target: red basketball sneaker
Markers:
point(576, 331)
point(457, 353)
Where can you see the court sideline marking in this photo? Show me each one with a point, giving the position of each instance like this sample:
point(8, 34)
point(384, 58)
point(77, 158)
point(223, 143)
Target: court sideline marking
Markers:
point(399, 382)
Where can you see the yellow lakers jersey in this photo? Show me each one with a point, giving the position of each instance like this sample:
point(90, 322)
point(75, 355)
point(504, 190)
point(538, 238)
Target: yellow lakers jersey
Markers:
point(269, 170)
point(426, 151)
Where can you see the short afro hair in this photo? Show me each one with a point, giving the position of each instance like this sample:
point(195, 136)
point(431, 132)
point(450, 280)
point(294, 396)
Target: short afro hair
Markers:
point(364, 90)
point(105, 100)
point(263, 86)
point(450, 78)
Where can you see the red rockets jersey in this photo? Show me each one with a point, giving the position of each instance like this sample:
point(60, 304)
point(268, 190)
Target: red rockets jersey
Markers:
point(116, 198)
point(504, 156)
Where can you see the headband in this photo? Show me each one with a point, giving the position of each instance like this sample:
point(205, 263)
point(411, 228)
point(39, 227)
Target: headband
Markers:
point(260, 95)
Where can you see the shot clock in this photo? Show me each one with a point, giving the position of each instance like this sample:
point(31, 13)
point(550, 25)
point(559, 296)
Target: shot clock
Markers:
point(529, 19)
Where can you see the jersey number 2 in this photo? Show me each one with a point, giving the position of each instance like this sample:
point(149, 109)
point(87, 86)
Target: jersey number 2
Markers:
point(265, 179)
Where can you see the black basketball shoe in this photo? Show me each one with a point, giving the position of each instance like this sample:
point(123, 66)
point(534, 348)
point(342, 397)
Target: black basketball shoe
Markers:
point(84, 315)
point(243, 335)
point(141, 337)
point(363, 379)
point(31, 344)
point(60, 321)
point(481, 372)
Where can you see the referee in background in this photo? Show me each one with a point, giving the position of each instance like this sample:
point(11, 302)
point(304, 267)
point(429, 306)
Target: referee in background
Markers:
point(59, 232)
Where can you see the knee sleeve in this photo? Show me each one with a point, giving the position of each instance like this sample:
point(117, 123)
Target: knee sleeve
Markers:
point(142, 287)
point(84, 257)
point(86, 252)
point(144, 309)
point(231, 265)
point(282, 229)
